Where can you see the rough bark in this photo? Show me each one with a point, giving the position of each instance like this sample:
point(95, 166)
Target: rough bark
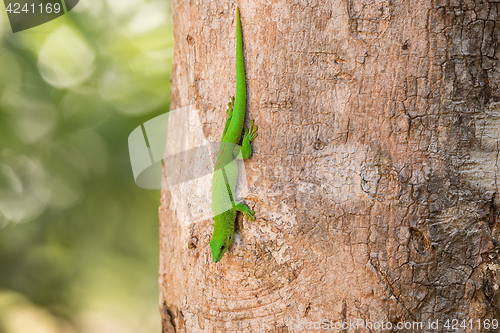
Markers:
point(374, 175)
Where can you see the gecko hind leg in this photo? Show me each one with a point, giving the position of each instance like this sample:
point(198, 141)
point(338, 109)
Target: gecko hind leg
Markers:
point(229, 111)
point(248, 137)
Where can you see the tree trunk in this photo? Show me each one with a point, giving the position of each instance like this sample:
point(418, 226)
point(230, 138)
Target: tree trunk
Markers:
point(374, 175)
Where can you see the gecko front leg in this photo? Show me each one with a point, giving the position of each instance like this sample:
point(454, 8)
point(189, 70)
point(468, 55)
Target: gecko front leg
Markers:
point(249, 214)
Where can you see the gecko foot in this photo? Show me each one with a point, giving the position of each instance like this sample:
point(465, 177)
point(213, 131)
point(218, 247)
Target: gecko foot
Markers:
point(230, 108)
point(249, 214)
point(250, 133)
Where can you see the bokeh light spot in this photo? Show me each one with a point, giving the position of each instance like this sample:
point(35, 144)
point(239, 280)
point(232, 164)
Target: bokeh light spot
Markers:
point(65, 60)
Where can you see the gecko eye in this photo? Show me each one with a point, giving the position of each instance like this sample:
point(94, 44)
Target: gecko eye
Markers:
point(222, 247)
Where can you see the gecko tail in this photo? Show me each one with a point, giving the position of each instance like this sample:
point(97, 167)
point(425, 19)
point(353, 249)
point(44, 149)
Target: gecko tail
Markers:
point(235, 128)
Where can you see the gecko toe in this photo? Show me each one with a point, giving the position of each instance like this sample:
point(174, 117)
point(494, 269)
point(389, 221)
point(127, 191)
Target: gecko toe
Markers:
point(249, 214)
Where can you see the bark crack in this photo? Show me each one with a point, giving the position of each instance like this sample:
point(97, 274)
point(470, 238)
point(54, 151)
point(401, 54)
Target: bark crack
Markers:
point(393, 288)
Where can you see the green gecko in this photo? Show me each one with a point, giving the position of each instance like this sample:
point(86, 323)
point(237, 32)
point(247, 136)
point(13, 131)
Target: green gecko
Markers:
point(226, 169)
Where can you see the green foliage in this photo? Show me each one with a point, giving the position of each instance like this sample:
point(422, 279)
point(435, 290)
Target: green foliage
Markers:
point(78, 238)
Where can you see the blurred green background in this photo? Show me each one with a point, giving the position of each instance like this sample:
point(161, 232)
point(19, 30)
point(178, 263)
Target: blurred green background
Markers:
point(78, 238)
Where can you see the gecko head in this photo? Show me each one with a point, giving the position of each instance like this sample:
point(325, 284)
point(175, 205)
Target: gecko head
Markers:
point(219, 245)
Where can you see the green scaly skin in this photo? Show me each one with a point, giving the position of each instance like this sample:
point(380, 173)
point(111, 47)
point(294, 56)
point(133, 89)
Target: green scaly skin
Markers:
point(226, 170)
